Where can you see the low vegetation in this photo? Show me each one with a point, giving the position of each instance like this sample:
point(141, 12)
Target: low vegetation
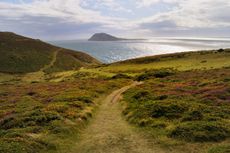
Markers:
point(183, 106)
point(48, 116)
point(22, 55)
point(179, 61)
point(183, 103)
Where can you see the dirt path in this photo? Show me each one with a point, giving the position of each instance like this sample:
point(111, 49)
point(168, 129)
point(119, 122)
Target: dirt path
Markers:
point(39, 75)
point(52, 61)
point(110, 133)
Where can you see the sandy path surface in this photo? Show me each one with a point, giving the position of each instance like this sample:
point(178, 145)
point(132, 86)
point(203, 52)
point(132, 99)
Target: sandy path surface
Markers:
point(110, 133)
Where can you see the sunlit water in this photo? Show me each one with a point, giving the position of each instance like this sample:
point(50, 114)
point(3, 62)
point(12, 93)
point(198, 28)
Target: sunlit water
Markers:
point(108, 52)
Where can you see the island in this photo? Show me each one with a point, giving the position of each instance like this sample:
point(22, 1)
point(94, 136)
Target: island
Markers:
point(104, 37)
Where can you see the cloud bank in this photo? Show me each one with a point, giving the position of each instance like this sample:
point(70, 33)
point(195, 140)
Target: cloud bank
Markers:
point(70, 19)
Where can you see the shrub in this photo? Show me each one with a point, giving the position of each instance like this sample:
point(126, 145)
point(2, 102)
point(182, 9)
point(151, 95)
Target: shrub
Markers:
point(168, 110)
point(220, 149)
point(220, 50)
point(200, 132)
point(162, 97)
point(226, 80)
point(85, 99)
point(195, 115)
point(22, 145)
point(31, 93)
point(204, 61)
point(36, 117)
point(81, 75)
point(142, 77)
point(121, 76)
point(162, 73)
point(141, 94)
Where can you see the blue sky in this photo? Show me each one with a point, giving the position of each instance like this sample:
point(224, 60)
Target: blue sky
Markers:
point(74, 19)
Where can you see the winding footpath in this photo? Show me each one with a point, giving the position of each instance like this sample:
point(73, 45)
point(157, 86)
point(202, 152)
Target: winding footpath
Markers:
point(39, 75)
point(54, 58)
point(110, 133)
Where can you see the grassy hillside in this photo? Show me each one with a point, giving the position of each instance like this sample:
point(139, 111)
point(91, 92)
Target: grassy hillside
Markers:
point(182, 106)
point(184, 102)
point(21, 55)
point(180, 61)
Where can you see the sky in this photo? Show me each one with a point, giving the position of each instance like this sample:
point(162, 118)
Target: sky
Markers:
point(77, 19)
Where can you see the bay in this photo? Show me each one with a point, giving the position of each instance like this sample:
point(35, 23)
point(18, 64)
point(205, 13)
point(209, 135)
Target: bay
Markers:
point(113, 51)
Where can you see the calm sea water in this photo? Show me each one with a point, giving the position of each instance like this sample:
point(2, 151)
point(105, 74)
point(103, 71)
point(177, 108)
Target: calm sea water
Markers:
point(108, 52)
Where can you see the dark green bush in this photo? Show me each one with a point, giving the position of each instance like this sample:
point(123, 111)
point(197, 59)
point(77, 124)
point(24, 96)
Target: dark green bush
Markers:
point(41, 118)
point(220, 50)
point(142, 77)
point(200, 132)
point(37, 117)
point(168, 110)
point(162, 97)
point(121, 76)
point(31, 93)
point(220, 149)
point(162, 73)
point(226, 80)
point(22, 145)
point(195, 115)
point(141, 94)
point(85, 99)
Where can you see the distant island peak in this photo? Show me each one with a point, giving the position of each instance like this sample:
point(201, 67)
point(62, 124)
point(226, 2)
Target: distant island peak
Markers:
point(104, 37)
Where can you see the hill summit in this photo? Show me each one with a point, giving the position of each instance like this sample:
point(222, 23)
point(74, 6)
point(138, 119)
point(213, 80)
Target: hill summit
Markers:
point(104, 37)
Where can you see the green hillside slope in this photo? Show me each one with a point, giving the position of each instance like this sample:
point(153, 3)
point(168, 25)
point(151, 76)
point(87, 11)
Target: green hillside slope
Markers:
point(21, 55)
point(183, 102)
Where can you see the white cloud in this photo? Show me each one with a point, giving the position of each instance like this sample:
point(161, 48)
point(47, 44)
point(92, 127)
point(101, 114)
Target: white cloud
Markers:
point(184, 15)
point(112, 4)
point(195, 14)
point(148, 3)
point(68, 10)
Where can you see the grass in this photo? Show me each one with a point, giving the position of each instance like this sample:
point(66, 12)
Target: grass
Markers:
point(48, 116)
point(220, 149)
point(179, 61)
point(183, 104)
point(23, 55)
point(68, 60)
point(184, 100)
point(186, 106)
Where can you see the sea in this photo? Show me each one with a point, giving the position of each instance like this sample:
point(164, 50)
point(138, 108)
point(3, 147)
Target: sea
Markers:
point(113, 51)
